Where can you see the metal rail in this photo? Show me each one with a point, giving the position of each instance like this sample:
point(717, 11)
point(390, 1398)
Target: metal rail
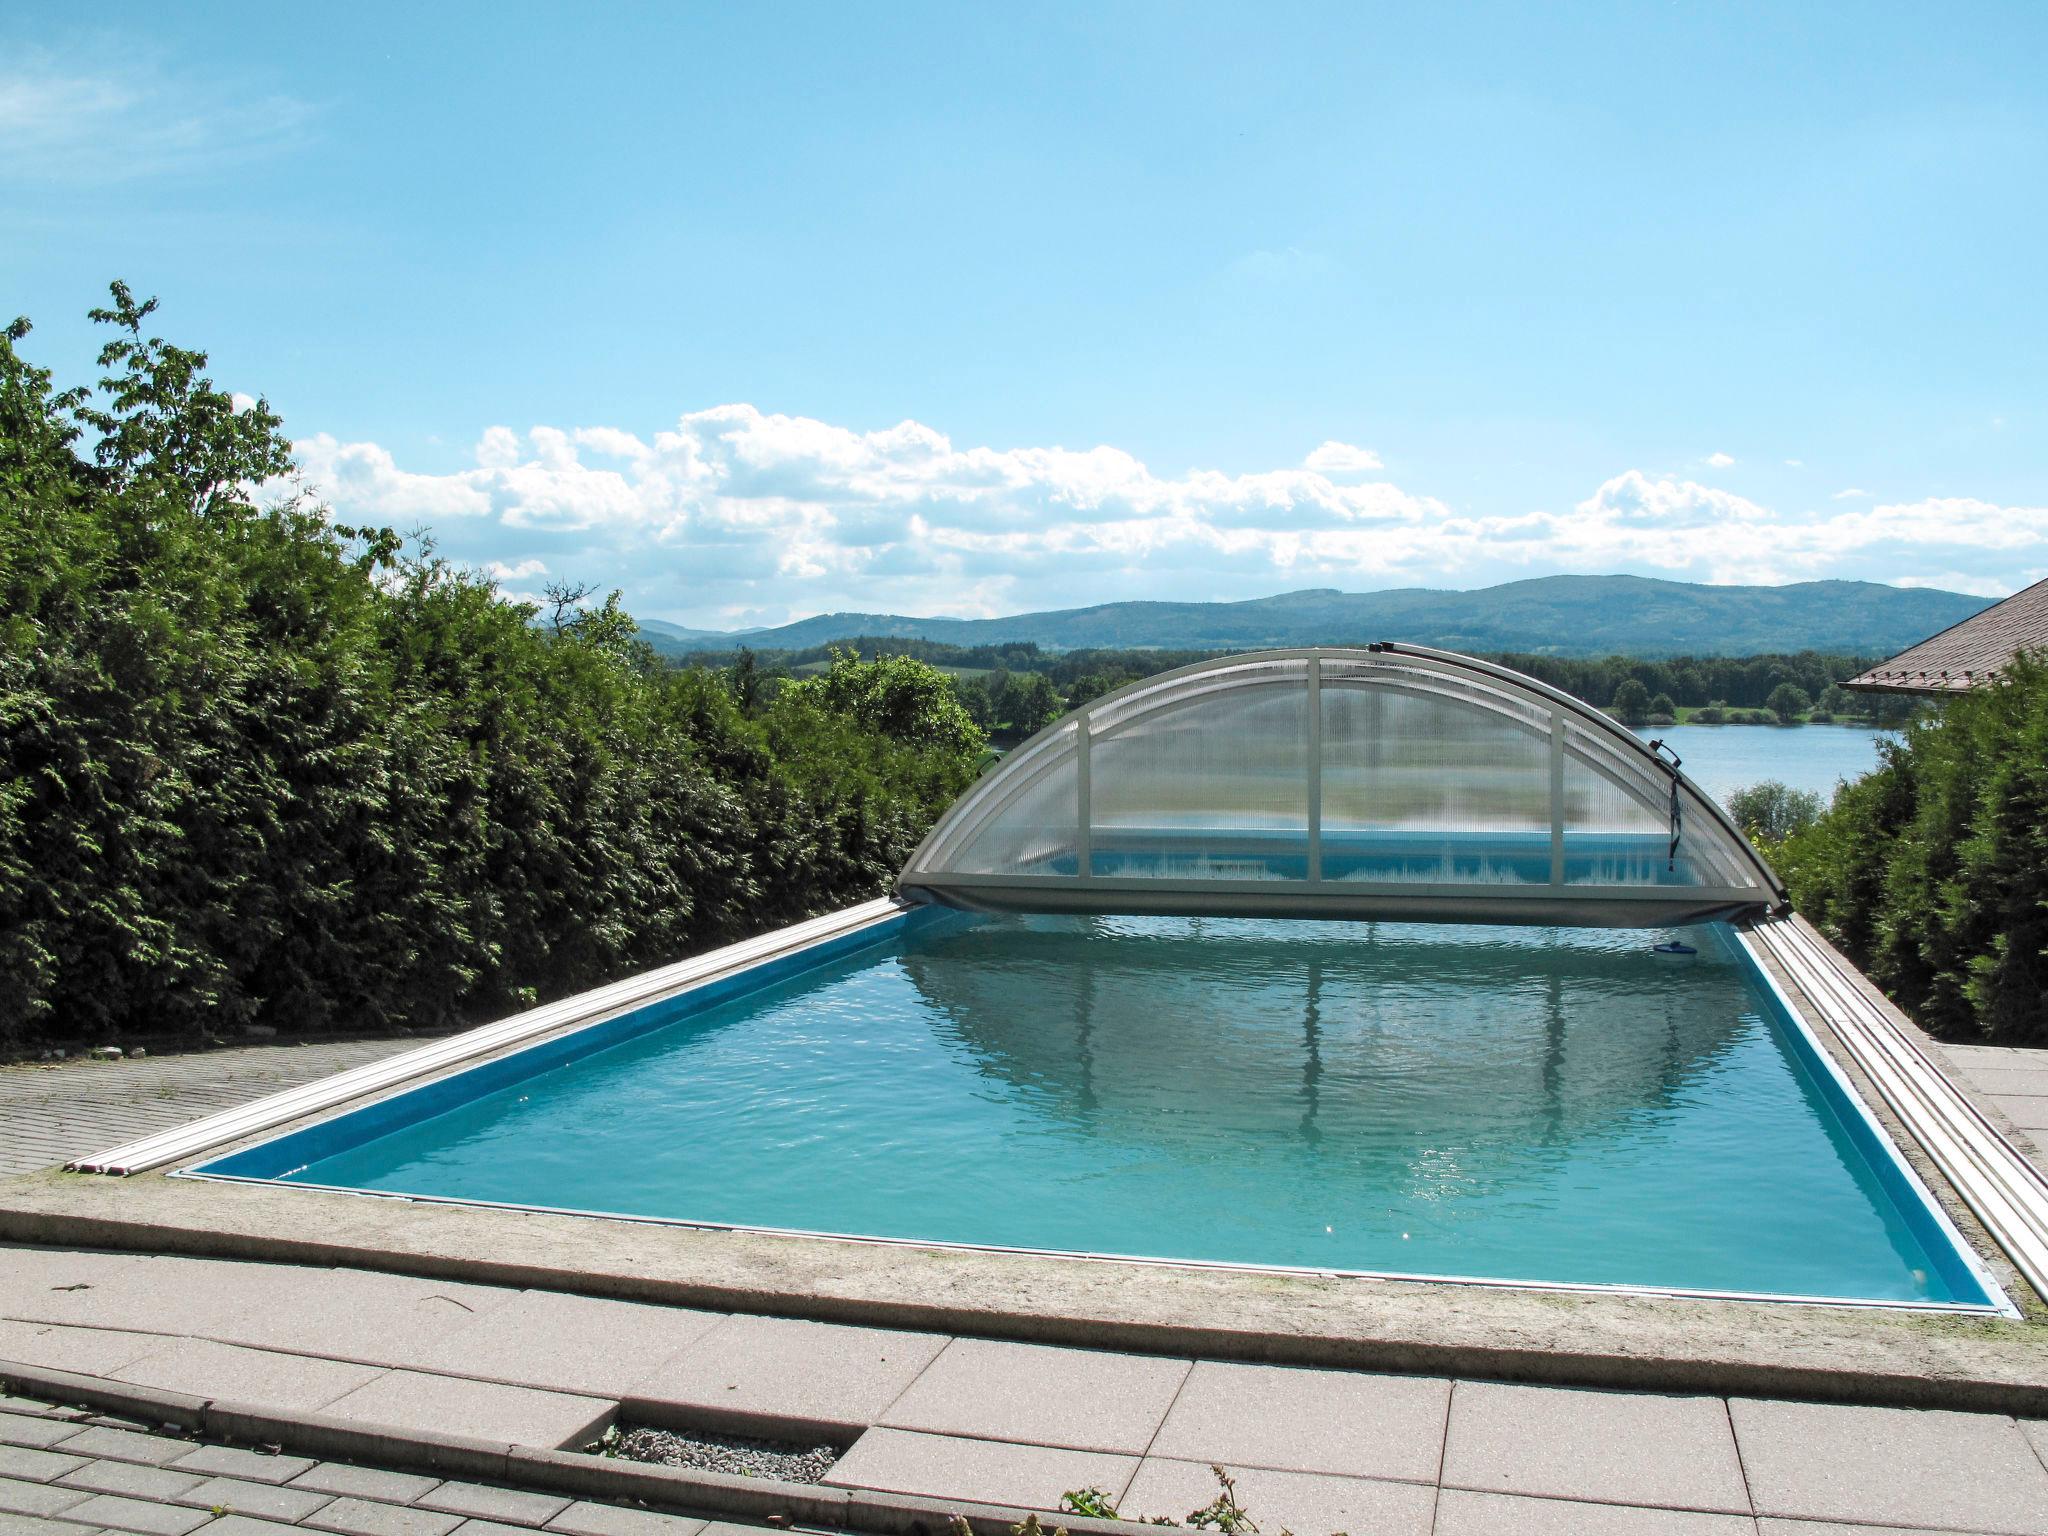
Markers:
point(2007, 1192)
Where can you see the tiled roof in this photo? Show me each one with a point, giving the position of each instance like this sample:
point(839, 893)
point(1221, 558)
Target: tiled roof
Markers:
point(1969, 654)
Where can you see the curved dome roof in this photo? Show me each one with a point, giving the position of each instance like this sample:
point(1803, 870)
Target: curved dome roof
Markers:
point(1395, 782)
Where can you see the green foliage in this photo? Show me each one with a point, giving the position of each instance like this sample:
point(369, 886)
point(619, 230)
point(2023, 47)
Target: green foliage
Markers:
point(1932, 871)
point(1788, 701)
point(1631, 702)
point(256, 768)
point(1770, 812)
point(1090, 1501)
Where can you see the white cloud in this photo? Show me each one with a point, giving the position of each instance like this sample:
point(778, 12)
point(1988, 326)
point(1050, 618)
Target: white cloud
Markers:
point(1720, 460)
point(80, 122)
point(1335, 458)
point(734, 515)
point(1795, 463)
point(1852, 493)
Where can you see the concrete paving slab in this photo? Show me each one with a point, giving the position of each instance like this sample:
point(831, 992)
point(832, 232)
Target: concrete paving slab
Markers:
point(365, 1482)
point(412, 1400)
point(342, 1314)
point(1770, 1526)
point(143, 1516)
point(38, 1525)
point(584, 1519)
point(1615, 1447)
point(1080, 1399)
point(366, 1517)
point(233, 1461)
point(1294, 1501)
point(2028, 1112)
point(18, 1429)
point(1294, 1420)
point(1460, 1512)
point(822, 1373)
point(28, 1498)
point(1891, 1466)
point(978, 1471)
point(126, 1445)
point(89, 1351)
point(29, 1465)
point(269, 1501)
point(131, 1480)
point(491, 1528)
point(1999, 1081)
point(235, 1373)
point(481, 1502)
point(569, 1343)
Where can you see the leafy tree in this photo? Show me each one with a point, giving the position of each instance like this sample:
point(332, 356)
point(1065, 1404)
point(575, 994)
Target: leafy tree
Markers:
point(1772, 812)
point(1788, 701)
point(257, 768)
point(1631, 702)
point(1932, 872)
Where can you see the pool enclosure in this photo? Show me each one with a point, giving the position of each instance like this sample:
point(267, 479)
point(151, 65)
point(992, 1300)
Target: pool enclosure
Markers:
point(1394, 782)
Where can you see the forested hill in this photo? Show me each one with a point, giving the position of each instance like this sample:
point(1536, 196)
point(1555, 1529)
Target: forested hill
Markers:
point(1552, 615)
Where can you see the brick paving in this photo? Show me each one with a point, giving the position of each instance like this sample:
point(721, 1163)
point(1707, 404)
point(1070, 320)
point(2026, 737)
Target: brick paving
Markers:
point(52, 1112)
point(69, 1472)
point(926, 1414)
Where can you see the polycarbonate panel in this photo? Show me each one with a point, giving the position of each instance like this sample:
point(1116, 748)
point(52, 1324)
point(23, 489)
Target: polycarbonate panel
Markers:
point(1206, 787)
point(1431, 785)
point(1395, 782)
point(1033, 827)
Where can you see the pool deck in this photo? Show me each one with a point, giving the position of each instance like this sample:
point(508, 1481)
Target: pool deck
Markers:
point(463, 1322)
point(331, 1362)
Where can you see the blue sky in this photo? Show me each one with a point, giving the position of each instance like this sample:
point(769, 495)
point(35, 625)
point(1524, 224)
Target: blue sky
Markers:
point(763, 311)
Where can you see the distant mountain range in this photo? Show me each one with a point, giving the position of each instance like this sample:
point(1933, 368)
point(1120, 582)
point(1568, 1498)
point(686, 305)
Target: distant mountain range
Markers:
point(1557, 615)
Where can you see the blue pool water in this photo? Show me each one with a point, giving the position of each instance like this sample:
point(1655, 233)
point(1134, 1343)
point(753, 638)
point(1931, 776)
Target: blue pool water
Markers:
point(1516, 1104)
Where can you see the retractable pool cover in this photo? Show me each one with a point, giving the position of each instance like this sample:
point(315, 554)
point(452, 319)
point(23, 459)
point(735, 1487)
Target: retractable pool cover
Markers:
point(1395, 782)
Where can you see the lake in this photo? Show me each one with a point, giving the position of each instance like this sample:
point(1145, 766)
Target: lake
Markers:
point(1724, 758)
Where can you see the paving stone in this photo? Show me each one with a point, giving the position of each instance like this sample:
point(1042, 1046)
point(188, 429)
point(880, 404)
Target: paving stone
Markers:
point(23, 1498)
point(568, 1343)
point(130, 1479)
point(34, 1466)
point(480, 1409)
point(1612, 1447)
point(586, 1519)
point(267, 1500)
point(1768, 1526)
point(362, 1517)
point(16, 1429)
point(89, 1351)
point(25, 1407)
point(1080, 1399)
point(1294, 1501)
point(238, 1374)
point(1292, 1420)
point(365, 1482)
point(980, 1471)
point(1460, 1512)
point(37, 1525)
point(248, 1525)
point(233, 1461)
point(826, 1373)
point(127, 1445)
point(141, 1515)
point(1891, 1466)
point(486, 1503)
point(491, 1528)
point(2029, 1113)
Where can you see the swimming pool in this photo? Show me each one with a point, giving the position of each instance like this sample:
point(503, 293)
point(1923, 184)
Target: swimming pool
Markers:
point(1547, 1106)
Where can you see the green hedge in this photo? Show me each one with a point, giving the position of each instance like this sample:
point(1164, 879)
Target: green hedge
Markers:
point(1932, 872)
point(259, 769)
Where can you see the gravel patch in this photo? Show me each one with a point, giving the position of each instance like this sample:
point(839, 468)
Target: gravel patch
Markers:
point(735, 1455)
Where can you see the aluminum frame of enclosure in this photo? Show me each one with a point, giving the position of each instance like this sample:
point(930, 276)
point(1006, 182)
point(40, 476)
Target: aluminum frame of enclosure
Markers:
point(1396, 782)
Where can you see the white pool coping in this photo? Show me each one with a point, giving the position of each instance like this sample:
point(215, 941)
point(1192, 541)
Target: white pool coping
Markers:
point(591, 1007)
